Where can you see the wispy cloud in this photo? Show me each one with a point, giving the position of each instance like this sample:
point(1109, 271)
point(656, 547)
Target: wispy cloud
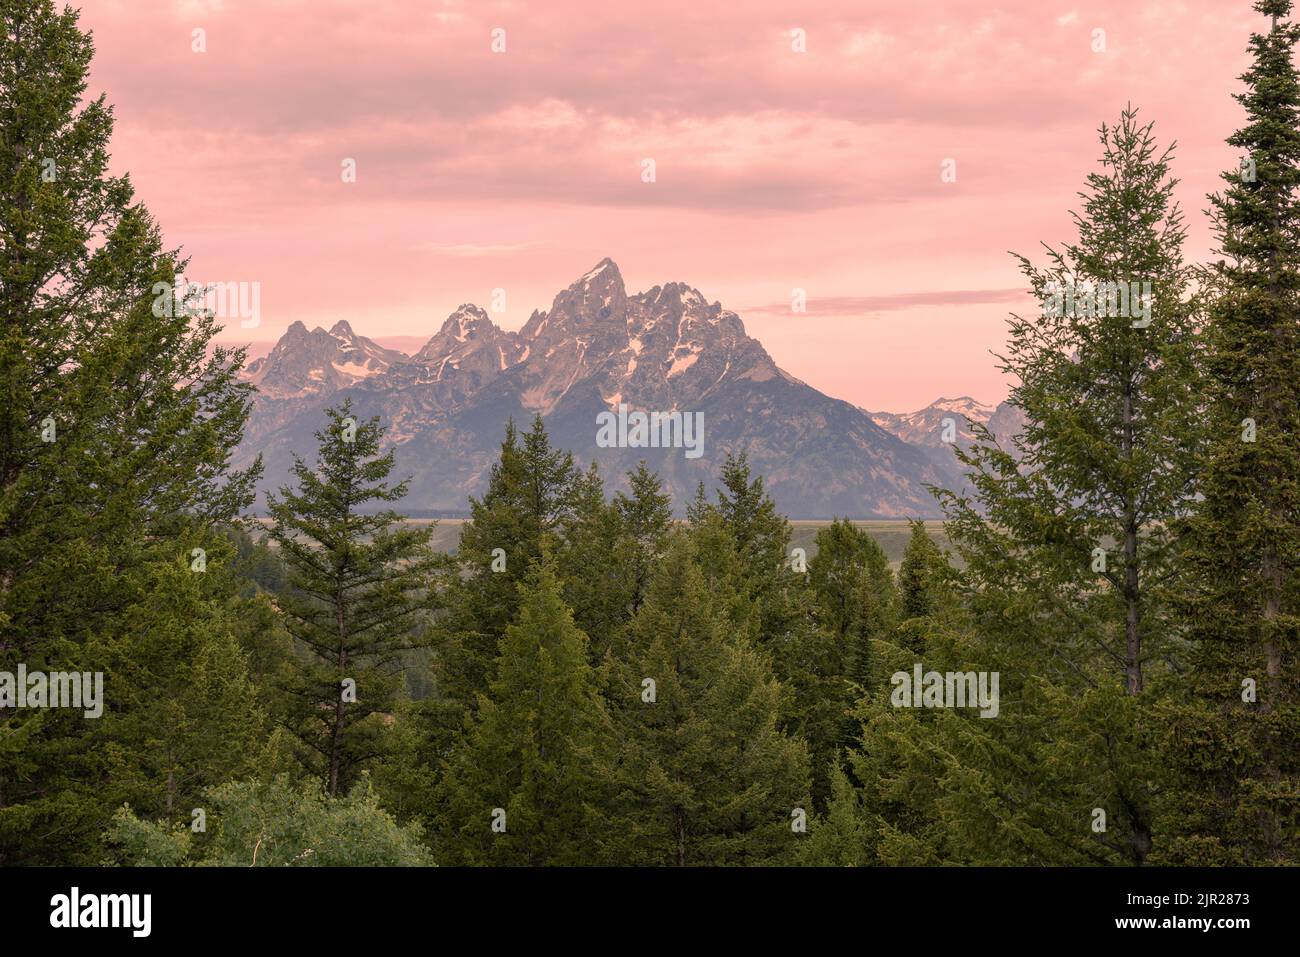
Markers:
point(475, 250)
point(865, 305)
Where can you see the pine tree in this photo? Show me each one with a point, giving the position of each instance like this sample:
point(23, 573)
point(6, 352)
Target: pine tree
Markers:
point(646, 513)
point(525, 785)
point(854, 591)
point(358, 592)
point(1069, 551)
point(595, 563)
point(116, 428)
point(838, 837)
point(761, 534)
point(1110, 448)
point(529, 494)
point(920, 575)
point(189, 716)
point(706, 776)
point(743, 547)
point(853, 597)
point(1236, 792)
point(608, 553)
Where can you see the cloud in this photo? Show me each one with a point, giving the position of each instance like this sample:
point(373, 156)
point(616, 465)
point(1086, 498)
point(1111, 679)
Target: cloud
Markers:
point(836, 306)
point(475, 250)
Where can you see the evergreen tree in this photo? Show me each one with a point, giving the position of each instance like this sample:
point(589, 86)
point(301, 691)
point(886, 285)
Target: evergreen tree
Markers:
point(706, 776)
point(949, 786)
point(838, 837)
point(608, 553)
point(595, 563)
point(1110, 403)
point(760, 534)
point(1070, 550)
point(646, 513)
point(852, 593)
point(855, 594)
point(529, 494)
point(920, 575)
point(1235, 798)
point(189, 716)
point(743, 544)
point(525, 784)
point(743, 547)
point(116, 428)
point(358, 590)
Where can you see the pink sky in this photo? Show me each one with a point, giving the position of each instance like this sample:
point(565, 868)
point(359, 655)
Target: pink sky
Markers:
point(775, 169)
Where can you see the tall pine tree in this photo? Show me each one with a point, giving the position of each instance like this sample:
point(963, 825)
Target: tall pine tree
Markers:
point(530, 492)
point(705, 774)
point(358, 582)
point(116, 427)
point(1070, 550)
point(525, 785)
point(1235, 798)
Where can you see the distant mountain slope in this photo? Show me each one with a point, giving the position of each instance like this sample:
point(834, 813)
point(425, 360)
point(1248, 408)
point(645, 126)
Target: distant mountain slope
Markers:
point(926, 428)
point(596, 350)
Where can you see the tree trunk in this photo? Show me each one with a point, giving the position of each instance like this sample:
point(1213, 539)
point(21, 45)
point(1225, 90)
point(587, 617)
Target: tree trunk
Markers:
point(681, 837)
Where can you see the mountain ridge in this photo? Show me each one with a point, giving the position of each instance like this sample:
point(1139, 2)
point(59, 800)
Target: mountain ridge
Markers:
point(596, 347)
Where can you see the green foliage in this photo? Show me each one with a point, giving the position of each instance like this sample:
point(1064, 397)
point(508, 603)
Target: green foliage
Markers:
point(599, 556)
point(1070, 549)
point(274, 824)
point(645, 512)
point(1235, 793)
point(115, 433)
point(531, 760)
point(529, 494)
point(923, 576)
point(838, 837)
point(604, 687)
point(704, 773)
point(854, 602)
point(358, 583)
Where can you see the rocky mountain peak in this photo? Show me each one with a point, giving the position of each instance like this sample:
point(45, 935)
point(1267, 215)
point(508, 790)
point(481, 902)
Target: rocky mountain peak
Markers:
point(925, 427)
point(668, 350)
point(468, 321)
point(309, 362)
point(603, 277)
point(594, 304)
point(469, 347)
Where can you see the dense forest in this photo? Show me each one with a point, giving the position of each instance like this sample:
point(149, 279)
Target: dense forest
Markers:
point(592, 680)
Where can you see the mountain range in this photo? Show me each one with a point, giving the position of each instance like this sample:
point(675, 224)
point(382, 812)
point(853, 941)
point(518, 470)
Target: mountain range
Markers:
point(597, 349)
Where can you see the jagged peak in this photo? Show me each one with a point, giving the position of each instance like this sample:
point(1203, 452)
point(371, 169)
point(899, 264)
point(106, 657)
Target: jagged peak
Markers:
point(606, 270)
point(674, 292)
point(603, 281)
point(960, 403)
point(342, 328)
point(467, 320)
